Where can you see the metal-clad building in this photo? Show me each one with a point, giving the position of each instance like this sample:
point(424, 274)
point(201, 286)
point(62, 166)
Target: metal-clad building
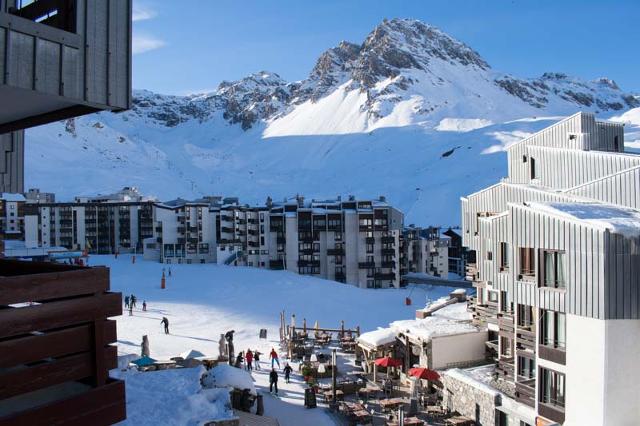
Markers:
point(558, 270)
point(58, 59)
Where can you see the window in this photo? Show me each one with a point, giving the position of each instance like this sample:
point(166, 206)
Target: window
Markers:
point(505, 254)
point(616, 143)
point(489, 255)
point(532, 168)
point(526, 368)
point(492, 296)
point(554, 329)
point(338, 236)
point(369, 248)
point(506, 347)
point(527, 263)
point(525, 316)
point(552, 388)
point(553, 266)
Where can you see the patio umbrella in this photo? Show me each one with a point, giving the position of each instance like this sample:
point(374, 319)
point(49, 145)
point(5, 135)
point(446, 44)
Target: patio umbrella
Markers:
point(387, 361)
point(144, 361)
point(425, 374)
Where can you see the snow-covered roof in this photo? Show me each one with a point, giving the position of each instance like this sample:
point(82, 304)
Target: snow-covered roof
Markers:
point(478, 377)
point(619, 220)
point(452, 319)
point(379, 337)
point(7, 196)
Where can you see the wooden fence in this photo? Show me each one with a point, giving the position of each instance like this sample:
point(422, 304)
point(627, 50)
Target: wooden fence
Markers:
point(55, 345)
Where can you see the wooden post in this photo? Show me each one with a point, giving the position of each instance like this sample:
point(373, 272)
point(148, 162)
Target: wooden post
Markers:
point(334, 373)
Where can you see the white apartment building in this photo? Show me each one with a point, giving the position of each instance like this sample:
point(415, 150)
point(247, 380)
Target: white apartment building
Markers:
point(424, 251)
point(351, 241)
point(102, 225)
point(557, 248)
point(12, 216)
point(184, 232)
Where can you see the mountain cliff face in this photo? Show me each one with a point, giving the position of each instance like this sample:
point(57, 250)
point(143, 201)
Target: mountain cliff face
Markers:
point(371, 118)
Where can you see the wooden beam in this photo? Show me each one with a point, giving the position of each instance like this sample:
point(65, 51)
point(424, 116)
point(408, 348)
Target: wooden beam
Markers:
point(51, 315)
point(53, 344)
point(100, 406)
point(53, 285)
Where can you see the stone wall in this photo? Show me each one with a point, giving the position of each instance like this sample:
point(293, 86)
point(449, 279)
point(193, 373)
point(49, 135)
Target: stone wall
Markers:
point(462, 396)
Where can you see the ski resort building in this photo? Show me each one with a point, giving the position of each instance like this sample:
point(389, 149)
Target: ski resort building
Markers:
point(100, 225)
point(58, 59)
point(557, 272)
point(424, 251)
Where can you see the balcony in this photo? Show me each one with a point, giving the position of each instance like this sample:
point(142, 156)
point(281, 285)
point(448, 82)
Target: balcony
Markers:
point(553, 354)
point(55, 69)
point(62, 343)
point(366, 265)
point(526, 339)
point(369, 240)
point(387, 240)
point(388, 252)
point(487, 313)
point(471, 272)
point(385, 276)
point(505, 368)
point(388, 264)
point(305, 263)
point(335, 252)
point(526, 392)
point(506, 324)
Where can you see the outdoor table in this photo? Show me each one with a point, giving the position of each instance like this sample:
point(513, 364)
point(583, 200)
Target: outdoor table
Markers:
point(391, 403)
point(328, 395)
point(408, 421)
point(361, 416)
point(459, 420)
point(352, 406)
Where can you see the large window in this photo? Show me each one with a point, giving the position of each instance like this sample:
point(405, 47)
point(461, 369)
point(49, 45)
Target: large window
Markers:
point(554, 329)
point(526, 368)
point(554, 269)
point(505, 254)
point(552, 388)
point(527, 262)
point(525, 315)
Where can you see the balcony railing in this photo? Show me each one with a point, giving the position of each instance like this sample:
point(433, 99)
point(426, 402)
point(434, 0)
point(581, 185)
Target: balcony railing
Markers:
point(61, 343)
point(525, 339)
point(384, 276)
point(303, 263)
point(388, 252)
point(387, 240)
point(366, 265)
point(505, 367)
point(277, 264)
point(335, 252)
point(526, 392)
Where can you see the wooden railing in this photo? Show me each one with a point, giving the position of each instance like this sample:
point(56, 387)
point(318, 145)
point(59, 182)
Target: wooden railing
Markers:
point(526, 392)
point(55, 345)
point(525, 339)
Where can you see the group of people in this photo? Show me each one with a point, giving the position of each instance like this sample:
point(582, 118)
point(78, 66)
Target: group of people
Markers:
point(251, 359)
point(130, 303)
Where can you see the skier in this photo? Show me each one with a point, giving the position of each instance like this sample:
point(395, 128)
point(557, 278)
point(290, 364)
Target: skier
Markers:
point(249, 358)
point(274, 358)
point(169, 270)
point(145, 346)
point(273, 380)
point(144, 305)
point(239, 360)
point(165, 321)
point(256, 360)
point(287, 373)
point(133, 300)
point(126, 301)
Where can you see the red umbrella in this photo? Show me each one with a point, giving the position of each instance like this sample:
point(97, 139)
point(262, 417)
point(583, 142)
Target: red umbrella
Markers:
point(387, 361)
point(424, 373)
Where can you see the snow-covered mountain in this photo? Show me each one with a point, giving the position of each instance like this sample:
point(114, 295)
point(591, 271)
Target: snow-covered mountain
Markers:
point(411, 113)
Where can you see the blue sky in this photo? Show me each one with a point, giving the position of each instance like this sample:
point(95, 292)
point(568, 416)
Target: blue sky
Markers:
point(192, 45)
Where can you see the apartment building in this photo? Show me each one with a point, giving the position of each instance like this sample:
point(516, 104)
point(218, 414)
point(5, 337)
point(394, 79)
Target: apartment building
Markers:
point(557, 274)
point(424, 251)
point(351, 241)
point(100, 225)
point(12, 216)
point(184, 232)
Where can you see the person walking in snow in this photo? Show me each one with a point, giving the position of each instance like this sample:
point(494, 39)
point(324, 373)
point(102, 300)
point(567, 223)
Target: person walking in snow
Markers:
point(239, 361)
point(287, 373)
point(256, 360)
point(126, 302)
point(169, 270)
point(274, 358)
point(133, 300)
point(165, 321)
point(249, 358)
point(144, 305)
point(273, 380)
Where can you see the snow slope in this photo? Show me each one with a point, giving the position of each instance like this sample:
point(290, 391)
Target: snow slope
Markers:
point(410, 113)
point(204, 301)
